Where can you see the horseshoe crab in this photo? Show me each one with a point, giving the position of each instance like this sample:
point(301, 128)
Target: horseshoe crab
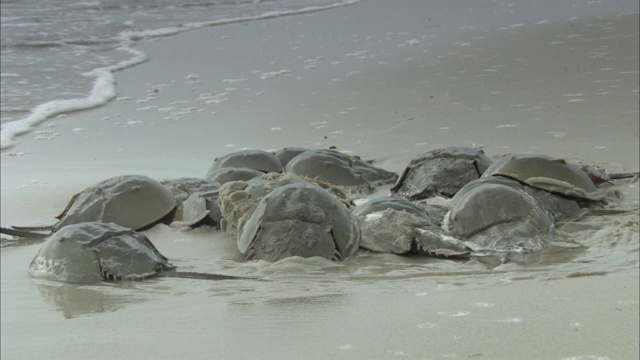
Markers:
point(299, 220)
point(260, 160)
point(286, 154)
point(226, 174)
point(238, 199)
point(389, 202)
point(183, 187)
point(547, 173)
point(560, 207)
point(133, 201)
point(440, 172)
point(92, 251)
point(197, 200)
point(496, 216)
point(398, 226)
point(336, 168)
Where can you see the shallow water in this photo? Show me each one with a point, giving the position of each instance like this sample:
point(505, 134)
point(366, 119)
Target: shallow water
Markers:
point(357, 307)
point(59, 56)
point(50, 67)
point(372, 305)
point(603, 242)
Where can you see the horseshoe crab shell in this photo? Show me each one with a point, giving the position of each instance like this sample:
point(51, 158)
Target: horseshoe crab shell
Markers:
point(494, 216)
point(200, 207)
point(196, 199)
point(260, 160)
point(547, 173)
point(132, 201)
point(561, 208)
point(440, 172)
point(185, 186)
point(286, 154)
point(92, 252)
point(398, 226)
point(238, 199)
point(226, 174)
point(389, 202)
point(339, 169)
point(299, 220)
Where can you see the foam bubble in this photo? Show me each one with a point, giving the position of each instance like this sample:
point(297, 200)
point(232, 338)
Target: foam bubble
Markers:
point(272, 74)
point(483, 305)
point(102, 92)
point(427, 325)
point(512, 320)
point(557, 134)
point(45, 135)
point(454, 313)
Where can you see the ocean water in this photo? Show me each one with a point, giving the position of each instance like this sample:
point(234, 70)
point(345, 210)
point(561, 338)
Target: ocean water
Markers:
point(59, 56)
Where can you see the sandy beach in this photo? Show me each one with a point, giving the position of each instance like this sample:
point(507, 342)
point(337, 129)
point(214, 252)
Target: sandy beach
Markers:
point(382, 80)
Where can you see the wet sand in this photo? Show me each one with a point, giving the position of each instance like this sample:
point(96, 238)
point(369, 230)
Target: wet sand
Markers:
point(380, 81)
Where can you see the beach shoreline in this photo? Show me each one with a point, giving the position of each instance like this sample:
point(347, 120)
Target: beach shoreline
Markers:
point(375, 80)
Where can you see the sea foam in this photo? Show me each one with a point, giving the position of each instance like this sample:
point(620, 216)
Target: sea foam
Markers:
point(104, 86)
point(102, 92)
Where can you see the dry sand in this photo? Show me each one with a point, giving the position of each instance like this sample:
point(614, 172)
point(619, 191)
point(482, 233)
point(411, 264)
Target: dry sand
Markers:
point(382, 81)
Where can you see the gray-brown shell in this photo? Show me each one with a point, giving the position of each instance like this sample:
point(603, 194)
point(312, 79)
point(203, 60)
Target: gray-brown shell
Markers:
point(547, 173)
point(560, 207)
point(331, 166)
point(132, 201)
point(440, 172)
point(183, 187)
point(92, 252)
point(260, 160)
point(433, 212)
point(389, 202)
point(286, 154)
point(493, 216)
point(238, 199)
point(299, 220)
point(226, 174)
point(196, 201)
point(401, 232)
point(199, 208)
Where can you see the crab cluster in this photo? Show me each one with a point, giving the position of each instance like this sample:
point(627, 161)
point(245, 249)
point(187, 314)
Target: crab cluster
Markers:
point(300, 202)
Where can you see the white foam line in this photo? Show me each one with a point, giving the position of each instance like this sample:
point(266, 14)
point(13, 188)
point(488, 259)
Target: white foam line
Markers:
point(104, 89)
